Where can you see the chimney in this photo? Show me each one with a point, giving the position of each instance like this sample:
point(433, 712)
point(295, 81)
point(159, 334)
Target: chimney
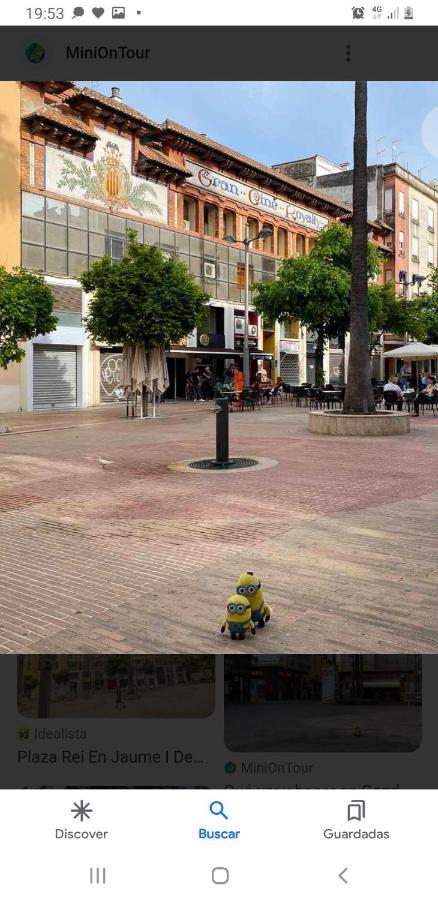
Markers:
point(115, 94)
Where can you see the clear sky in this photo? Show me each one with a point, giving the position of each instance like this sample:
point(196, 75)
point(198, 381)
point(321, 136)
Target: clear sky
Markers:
point(276, 121)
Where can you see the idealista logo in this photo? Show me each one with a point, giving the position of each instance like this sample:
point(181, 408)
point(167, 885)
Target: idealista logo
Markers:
point(35, 53)
point(102, 51)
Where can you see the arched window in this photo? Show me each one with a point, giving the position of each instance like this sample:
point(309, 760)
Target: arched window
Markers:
point(230, 222)
point(254, 227)
point(211, 220)
point(190, 214)
point(282, 242)
point(268, 241)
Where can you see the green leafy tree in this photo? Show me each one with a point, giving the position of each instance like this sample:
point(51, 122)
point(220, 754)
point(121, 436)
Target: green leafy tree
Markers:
point(423, 313)
point(386, 312)
point(26, 307)
point(145, 298)
point(316, 289)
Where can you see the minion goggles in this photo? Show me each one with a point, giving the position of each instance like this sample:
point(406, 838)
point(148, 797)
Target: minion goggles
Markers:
point(248, 590)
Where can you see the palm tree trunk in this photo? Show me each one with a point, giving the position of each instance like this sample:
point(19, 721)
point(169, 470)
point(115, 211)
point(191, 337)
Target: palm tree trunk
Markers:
point(359, 398)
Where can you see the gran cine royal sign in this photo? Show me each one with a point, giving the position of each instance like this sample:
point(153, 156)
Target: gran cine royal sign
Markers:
point(216, 183)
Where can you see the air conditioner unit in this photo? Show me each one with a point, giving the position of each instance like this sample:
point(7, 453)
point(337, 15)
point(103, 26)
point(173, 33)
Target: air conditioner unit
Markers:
point(187, 225)
point(239, 325)
point(209, 270)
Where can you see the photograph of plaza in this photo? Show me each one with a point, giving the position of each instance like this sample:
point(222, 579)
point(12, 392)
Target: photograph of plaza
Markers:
point(111, 687)
point(204, 445)
point(323, 704)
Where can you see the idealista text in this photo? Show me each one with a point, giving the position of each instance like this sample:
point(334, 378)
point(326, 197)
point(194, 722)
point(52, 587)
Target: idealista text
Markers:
point(104, 52)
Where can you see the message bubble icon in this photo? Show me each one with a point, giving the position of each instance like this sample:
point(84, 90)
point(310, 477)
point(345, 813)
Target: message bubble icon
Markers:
point(78, 11)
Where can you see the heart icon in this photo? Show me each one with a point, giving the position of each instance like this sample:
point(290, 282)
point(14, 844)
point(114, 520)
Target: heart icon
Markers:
point(98, 11)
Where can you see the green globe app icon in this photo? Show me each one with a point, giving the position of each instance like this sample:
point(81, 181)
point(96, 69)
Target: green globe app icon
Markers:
point(35, 53)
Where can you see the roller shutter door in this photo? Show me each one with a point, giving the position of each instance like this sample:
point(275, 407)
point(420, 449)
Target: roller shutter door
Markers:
point(55, 380)
point(290, 368)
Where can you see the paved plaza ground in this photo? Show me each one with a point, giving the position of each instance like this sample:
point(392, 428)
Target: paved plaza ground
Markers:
point(139, 557)
point(314, 727)
point(188, 701)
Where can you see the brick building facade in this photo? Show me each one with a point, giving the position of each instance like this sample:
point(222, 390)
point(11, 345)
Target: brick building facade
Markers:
point(88, 167)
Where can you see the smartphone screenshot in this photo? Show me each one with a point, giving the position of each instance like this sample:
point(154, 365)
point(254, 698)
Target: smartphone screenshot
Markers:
point(218, 449)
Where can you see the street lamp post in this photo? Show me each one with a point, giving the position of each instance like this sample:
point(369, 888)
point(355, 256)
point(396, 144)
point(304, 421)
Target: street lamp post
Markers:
point(247, 241)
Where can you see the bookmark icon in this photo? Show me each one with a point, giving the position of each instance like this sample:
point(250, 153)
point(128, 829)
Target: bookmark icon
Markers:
point(356, 811)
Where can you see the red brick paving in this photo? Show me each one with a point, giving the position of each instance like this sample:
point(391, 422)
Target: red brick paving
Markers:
point(139, 557)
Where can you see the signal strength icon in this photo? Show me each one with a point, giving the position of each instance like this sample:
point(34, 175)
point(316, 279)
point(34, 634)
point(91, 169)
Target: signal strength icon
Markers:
point(395, 14)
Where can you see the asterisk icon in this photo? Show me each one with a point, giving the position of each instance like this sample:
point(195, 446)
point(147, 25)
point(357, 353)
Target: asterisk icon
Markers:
point(81, 810)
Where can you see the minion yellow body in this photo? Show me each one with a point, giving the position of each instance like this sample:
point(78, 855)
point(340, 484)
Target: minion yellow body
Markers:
point(250, 587)
point(238, 618)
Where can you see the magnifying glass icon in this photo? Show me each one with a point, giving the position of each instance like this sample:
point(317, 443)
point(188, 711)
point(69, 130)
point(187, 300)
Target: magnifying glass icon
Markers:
point(217, 809)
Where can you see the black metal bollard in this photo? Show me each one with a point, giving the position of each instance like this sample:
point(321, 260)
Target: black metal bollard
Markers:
point(222, 432)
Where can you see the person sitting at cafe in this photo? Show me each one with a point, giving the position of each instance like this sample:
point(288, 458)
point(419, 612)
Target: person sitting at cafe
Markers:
point(392, 388)
point(426, 395)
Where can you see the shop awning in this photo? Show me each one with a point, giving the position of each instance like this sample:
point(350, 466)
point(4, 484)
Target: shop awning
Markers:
point(201, 351)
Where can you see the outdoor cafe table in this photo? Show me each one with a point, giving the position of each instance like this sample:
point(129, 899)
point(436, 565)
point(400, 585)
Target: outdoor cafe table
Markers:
point(230, 395)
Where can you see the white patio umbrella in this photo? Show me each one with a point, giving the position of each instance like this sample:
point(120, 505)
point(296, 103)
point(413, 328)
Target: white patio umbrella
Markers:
point(158, 375)
point(139, 372)
point(126, 370)
point(414, 350)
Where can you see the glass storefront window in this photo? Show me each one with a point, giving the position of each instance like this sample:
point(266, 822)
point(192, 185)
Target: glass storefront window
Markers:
point(167, 239)
point(222, 271)
point(77, 263)
point(114, 248)
point(234, 256)
point(56, 262)
point(78, 216)
point(209, 250)
point(184, 258)
point(97, 244)
point(32, 257)
point(234, 293)
point(222, 252)
point(33, 206)
point(77, 240)
point(56, 211)
point(222, 290)
point(32, 231)
point(151, 236)
point(116, 225)
point(97, 221)
point(182, 243)
point(56, 236)
point(196, 266)
point(195, 246)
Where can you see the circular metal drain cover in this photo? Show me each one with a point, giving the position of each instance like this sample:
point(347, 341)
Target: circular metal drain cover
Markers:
point(233, 463)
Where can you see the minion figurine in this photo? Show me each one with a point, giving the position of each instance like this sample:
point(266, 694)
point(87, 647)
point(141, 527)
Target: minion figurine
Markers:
point(238, 618)
point(250, 586)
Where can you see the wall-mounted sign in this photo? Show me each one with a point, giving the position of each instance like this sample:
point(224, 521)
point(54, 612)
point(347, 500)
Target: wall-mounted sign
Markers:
point(107, 179)
point(217, 183)
point(289, 346)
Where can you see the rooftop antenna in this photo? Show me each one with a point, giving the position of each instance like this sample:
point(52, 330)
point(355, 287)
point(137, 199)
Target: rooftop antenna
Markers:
point(394, 148)
point(420, 171)
point(380, 150)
